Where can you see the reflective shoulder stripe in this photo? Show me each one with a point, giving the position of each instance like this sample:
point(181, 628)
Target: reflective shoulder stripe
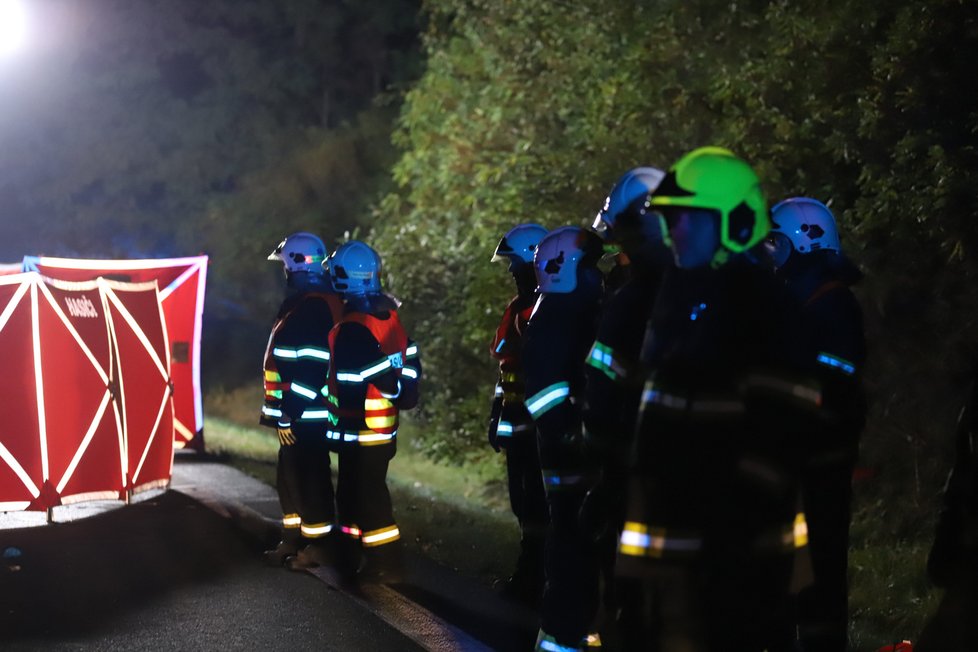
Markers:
point(409, 372)
point(835, 362)
point(547, 398)
point(411, 351)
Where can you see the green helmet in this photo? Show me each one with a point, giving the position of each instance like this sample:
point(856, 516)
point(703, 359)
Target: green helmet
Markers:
point(713, 178)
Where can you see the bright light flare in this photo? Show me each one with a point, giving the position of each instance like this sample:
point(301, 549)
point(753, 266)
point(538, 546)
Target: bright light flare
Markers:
point(13, 26)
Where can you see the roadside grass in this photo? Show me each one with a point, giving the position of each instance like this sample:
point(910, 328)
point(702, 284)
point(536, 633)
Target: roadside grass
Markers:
point(458, 515)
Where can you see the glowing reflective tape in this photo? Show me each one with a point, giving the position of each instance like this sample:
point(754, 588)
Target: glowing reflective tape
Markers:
point(42, 429)
point(375, 437)
point(286, 354)
point(547, 398)
point(592, 640)
point(85, 441)
point(502, 342)
point(377, 403)
point(377, 537)
point(314, 414)
point(411, 351)
point(408, 372)
point(313, 530)
point(312, 352)
point(302, 390)
point(12, 305)
point(548, 644)
point(270, 412)
point(19, 471)
point(376, 369)
point(499, 390)
point(836, 362)
point(154, 432)
point(800, 530)
point(273, 376)
point(291, 521)
point(350, 530)
point(504, 429)
point(344, 436)
point(348, 377)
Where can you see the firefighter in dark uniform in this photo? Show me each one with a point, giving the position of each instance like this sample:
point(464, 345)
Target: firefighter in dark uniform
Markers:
point(613, 375)
point(374, 373)
point(804, 246)
point(561, 331)
point(510, 426)
point(712, 525)
point(295, 367)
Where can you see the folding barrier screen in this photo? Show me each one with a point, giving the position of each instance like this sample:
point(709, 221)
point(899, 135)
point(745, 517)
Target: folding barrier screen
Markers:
point(86, 391)
point(181, 282)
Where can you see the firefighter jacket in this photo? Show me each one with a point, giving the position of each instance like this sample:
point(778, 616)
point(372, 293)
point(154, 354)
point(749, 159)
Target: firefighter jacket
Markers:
point(558, 337)
point(714, 459)
point(510, 417)
point(613, 373)
point(829, 342)
point(296, 360)
point(374, 373)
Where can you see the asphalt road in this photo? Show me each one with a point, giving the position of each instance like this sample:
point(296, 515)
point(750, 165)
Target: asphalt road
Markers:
point(181, 571)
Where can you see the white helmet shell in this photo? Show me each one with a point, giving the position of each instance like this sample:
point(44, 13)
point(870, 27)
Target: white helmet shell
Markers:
point(354, 269)
point(301, 252)
point(560, 254)
point(520, 243)
point(807, 223)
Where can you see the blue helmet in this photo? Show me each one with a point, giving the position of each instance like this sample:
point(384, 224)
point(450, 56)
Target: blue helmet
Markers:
point(354, 269)
point(520, 243)
point(559, 256)
point(627, 197)
point(301, 252)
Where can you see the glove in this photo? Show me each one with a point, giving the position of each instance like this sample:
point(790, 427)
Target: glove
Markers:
point(285, 434)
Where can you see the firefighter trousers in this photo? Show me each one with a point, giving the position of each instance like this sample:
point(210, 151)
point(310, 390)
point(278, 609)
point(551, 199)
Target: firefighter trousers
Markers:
point(305, 488)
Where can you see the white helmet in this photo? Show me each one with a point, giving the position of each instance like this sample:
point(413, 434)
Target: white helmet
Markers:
point(354, 269)
point(519, 243)
point(301, 252)
point(807, 223)
point(560, 254)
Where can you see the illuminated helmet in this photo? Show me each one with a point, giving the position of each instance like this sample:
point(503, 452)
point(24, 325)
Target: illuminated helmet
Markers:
point(520, 243)
point(560, 254)
point(627, 198)
point(354, 269)
point(712, 178)
point(301, 252)
point(807, 223)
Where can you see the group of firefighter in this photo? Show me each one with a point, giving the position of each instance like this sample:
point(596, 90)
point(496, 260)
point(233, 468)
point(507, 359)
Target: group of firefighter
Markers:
point(681, 429)
point(338, 368)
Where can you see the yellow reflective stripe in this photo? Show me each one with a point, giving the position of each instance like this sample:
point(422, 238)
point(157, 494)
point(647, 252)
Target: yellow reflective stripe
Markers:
point(273, 376)
point(800, 530)
point(316, 530)
point(381, 536)
point(377, 404)
point(378, 423)
point(370, 438)
point(291, 521)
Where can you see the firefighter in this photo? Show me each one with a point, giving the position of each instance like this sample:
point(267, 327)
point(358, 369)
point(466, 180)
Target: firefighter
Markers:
point(510, 426)
point(614, 382)
point(374, 373)
point(560, 332)
point(711, 523)
point(296, 364)
point(805, 248)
